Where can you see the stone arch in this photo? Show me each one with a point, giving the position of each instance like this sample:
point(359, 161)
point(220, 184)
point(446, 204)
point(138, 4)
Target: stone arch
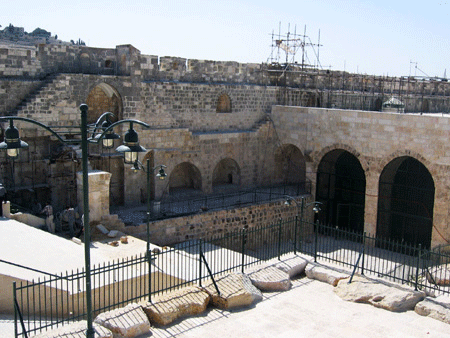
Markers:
point(425, 106)
point(223, 104)
point(378, 104)
point(290, 166)
point(341, 187)
point(104, 98)
point(226, 174)
point(406, 193)
point(318, 156)
point(185, 177)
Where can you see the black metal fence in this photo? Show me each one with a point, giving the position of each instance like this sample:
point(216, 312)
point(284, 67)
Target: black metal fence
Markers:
point(56, 300)
point(186, 205)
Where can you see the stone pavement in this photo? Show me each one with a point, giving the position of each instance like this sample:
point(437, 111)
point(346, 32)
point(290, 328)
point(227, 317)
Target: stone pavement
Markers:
point(309, 309)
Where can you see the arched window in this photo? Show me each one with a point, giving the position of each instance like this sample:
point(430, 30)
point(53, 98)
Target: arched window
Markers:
point(223, 104)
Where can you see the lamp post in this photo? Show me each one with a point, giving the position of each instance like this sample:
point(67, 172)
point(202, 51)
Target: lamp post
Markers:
point(101, 131)
point(137, 165)
point(303, 205)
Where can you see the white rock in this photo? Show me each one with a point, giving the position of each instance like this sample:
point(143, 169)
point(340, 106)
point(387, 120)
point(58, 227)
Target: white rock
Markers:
point(168, 307)
point(391, 297)
point(293, 265)
point(325, 274)
point(236, 290)
point(113, 233)
point(127, 322)
point(102, 229)
point(437, 308)
point(269, 278)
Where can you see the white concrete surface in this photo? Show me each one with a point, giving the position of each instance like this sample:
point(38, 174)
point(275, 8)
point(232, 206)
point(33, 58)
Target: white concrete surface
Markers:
point(31, 247)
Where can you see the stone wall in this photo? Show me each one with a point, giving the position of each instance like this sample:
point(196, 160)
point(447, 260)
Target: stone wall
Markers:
point(374, 139)
point(215, 223)
point(309, 87)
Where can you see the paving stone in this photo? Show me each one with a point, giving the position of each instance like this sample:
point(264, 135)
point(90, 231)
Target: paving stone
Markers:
point(127, 322)
point(76, 330)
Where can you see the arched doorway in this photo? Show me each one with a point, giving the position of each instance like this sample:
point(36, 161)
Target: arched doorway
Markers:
point(341, 187)
point(226, 175)
point(105, 98)
point(406, 202)
point(290, 167)
point(185, 179)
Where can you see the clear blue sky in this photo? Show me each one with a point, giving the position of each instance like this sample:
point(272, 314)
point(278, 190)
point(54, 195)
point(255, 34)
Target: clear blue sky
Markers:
point(374, 37)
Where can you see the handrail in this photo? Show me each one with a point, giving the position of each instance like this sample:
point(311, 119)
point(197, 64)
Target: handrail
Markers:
point(35, 270)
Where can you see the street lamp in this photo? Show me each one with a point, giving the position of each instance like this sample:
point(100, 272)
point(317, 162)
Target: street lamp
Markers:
point(100, 132)
point(137, 165)
point(289, 200)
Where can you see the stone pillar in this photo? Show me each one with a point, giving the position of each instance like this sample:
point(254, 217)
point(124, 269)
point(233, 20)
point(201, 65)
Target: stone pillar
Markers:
point(371, 204)
point(99, 182)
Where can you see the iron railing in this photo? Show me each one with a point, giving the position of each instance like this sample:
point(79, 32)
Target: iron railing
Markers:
point(183, 205)
point(58, 299)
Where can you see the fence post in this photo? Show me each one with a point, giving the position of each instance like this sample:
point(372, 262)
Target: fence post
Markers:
point(316, 233)
point(295, 234)
point(363, 253)
point(279, 239)
point(418, 267)
point(149, 256)
point(15, 310)
point(244, 241)
point(200, 262)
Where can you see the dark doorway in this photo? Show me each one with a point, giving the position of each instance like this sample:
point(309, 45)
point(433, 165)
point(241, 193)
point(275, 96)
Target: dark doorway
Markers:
point(341, 187)
point(406, 202)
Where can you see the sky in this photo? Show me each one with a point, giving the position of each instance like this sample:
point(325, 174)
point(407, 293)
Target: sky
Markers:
point(395, 38)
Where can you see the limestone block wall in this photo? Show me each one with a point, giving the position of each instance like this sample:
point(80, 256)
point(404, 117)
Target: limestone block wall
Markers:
point(211, 223)
point(14, 91)
point(252, 150)
point(374, 139)
point(194, 105)
point(19, 62)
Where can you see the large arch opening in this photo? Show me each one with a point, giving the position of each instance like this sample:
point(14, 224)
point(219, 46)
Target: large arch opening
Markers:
point(104, 98)
point(185, 179)
point(290, 166)
point(406, 202)
point(226, 175)
point(341, 187)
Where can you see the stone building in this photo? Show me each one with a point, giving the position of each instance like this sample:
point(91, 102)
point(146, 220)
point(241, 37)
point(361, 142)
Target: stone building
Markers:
point(215, 123)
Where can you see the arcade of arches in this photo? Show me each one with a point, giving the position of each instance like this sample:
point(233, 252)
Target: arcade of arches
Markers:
point(405, 199)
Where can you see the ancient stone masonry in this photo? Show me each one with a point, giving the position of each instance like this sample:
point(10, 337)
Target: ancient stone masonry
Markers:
point(213, 123)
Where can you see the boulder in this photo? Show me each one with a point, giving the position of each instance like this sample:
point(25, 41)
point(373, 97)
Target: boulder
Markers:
point(77, 329)
point(325, 274)
point(168, 307)
point(293, 265)
point(391, 297)
point(127, 322)
point(236, 290)
point(269, 278)
point(439, 275)
point(437, 308)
